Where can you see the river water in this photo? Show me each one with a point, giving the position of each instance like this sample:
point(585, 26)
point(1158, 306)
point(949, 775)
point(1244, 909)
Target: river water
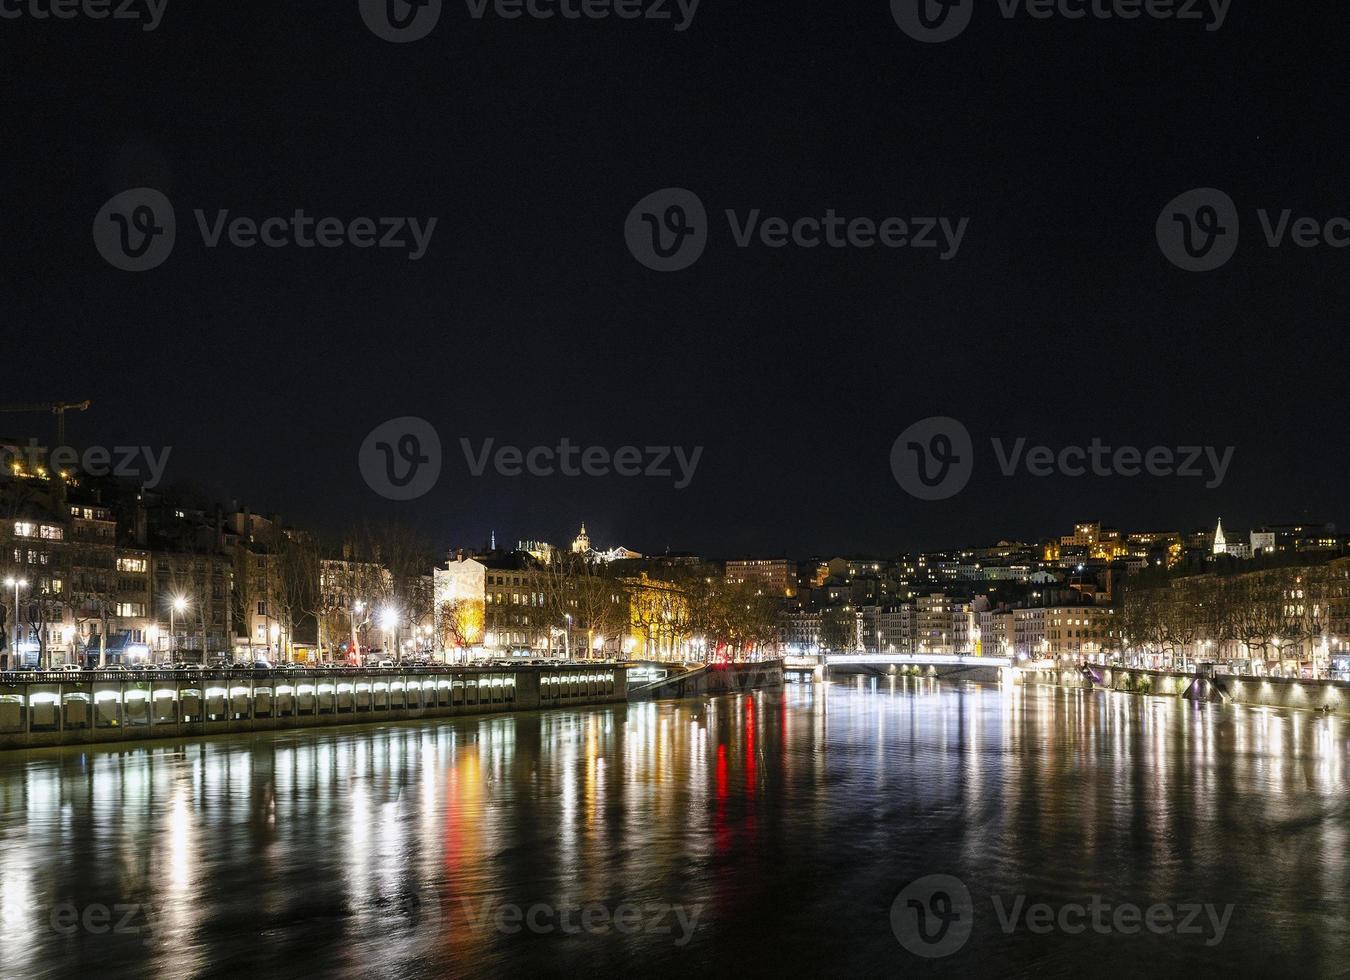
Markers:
point(794, 832)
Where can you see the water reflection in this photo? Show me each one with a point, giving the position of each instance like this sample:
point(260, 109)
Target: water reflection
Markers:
point(782, 824)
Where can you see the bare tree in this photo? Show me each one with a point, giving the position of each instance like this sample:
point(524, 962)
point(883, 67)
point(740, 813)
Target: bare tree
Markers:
point(581, 597)
point(403, 590)
point(296, 583)
point(93, 591)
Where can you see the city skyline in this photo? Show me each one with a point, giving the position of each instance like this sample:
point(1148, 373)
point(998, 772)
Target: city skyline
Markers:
point(436, 515)
point(19, 456)
point(97, 561)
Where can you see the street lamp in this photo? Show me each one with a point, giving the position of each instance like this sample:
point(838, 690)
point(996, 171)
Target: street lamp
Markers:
point(358, 607)
point(179, 604)
point(16, 584)
point(567, 637)
point(389, 623)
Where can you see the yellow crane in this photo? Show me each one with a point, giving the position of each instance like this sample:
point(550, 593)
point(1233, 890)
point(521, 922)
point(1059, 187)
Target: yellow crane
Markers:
point(58, 409)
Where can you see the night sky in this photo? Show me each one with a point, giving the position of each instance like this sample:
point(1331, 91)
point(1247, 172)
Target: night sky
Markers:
point(528, 320)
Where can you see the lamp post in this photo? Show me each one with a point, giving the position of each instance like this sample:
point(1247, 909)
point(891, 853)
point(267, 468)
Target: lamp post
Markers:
point(389, 623)
point(567, 637)
point(357, 608)
point(16, 584)
point(179, 604)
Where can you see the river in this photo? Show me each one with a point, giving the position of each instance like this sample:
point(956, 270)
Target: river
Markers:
point(865, 826)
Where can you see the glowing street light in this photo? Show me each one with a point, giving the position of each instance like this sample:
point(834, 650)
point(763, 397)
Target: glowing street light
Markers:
point(358, 607)
point(389, 623)
point(177, 605)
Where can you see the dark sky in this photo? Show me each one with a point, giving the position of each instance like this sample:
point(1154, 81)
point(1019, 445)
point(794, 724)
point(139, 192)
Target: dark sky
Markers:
point(529, 320)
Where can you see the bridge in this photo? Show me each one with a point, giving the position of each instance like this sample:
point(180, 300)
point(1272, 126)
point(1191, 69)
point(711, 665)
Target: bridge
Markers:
point(887, 664)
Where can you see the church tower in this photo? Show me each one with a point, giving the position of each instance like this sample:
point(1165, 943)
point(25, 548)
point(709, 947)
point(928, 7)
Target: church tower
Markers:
point(582, 544)
point(1220, 542)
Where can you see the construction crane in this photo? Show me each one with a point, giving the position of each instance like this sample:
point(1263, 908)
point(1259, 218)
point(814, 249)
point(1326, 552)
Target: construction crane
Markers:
point(58, 409)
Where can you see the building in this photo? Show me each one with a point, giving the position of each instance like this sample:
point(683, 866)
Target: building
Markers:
point(1303, 537)
point(460, 591)
point(348, 610)
point(581, 545)
point(660, 618)
point(495, 604)
point(1078, 633)
point(799, 631)
point(942, 624)
point(771, 576)
point(190, 606)
point(1029, 633)
point(894, 629)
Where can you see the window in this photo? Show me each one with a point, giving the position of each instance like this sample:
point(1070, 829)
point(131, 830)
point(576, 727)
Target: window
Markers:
point(131, 565)
point(23, 529)
point(262, 607)
point(130, 609)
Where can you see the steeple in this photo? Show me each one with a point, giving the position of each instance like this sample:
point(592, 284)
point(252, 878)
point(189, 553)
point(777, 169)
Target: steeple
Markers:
point(1220, 542)
point(582, 544)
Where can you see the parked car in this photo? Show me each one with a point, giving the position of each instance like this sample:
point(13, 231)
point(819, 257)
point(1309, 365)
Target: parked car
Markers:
point(261, 665)
point(69, 668)
point(385, 663)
